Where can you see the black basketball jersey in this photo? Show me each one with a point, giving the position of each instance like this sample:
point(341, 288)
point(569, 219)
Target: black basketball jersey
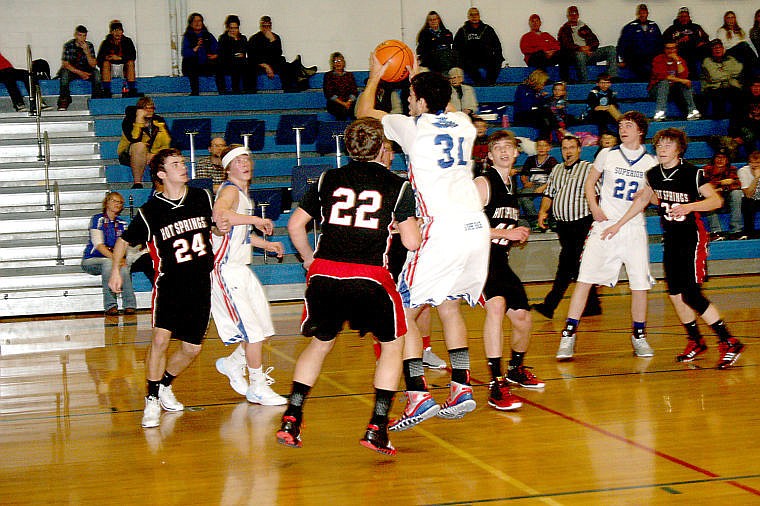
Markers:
point(356, 205)
point(177, 233)
point(502, 209)
point(676, 186)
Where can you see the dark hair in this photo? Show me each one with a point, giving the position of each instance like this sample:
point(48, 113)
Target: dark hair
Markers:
point(434, 88)
point(142, 102)
point(441, 26)
point(571, 138)
point(604, 76)
point(641, 121)
point(190, 21)
point(115, 25)
point(364, 138)
point(736, 30)
point(80, 29)
point(157, 162)
point(265, 19)
point(232, 18)
point(502, 135)
point(674, 134)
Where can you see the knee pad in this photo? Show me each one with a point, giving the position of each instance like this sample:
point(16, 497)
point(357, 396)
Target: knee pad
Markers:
point(694, 299)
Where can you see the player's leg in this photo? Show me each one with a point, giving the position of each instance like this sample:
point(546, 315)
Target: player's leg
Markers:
point(387, 373)
point(424, 323)
point(577, 303)
point(460, 401)
point(177, 362)
point(517, 372)
point(499, 394)
point(728, 346)
point(155, 365)
point(259, 390)
point(641, 347)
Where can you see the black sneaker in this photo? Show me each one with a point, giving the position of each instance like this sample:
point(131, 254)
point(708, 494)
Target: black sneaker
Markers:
point(290, 432)
point(137, 186)
point(63, 103)
point(376, 438)
point(20, 107)
point(543, 310)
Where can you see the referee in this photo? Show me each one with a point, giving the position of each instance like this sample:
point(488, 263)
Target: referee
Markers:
point(564, 194)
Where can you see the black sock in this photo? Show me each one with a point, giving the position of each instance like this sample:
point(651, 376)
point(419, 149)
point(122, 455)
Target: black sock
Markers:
point(494, 365)
point(693, 331)
point(153, 388)
point(297, 399)
point(414, 375)
point(516, 360)
point(383, 401)
point(167, 379)
point(720, 328)
point(460, 365)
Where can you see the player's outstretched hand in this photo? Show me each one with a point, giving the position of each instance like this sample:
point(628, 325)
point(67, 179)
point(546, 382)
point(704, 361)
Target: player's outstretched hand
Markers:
point(609, 232)
point(376, 70)
point(275, 247)
point(266, 226)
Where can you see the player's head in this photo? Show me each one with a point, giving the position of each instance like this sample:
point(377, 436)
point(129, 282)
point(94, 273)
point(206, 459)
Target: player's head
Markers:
point(237, 163)
point(672, 135)
point(429, 92)
point(364, 138)
point(157, 163)
point(635, 118)
point(502, 149)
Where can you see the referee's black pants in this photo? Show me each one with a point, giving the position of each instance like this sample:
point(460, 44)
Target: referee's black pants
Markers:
point(572, 237)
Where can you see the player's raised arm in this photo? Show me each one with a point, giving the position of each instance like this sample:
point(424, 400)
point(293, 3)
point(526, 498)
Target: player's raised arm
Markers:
point(365, 106)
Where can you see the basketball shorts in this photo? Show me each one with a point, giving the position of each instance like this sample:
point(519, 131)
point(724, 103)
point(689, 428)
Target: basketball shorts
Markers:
point(503, 282)
point(239, 305)
point(182, 306)
point(684, 259)
point(602, 258)
point(365, 296)
point(451, 263)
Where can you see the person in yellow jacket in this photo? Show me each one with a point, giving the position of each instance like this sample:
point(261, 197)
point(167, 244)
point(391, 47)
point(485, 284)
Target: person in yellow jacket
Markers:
point(143, 134)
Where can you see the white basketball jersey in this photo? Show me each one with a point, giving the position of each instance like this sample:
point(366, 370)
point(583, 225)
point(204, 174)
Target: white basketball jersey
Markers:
point(234, 246)
point(621, 179)
point(439, 148)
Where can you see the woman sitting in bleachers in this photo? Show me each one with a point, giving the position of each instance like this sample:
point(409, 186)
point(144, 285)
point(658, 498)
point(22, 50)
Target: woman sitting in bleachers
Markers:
point(532, 104)
point(199, 52)
point(232, 59)
point(340, 88)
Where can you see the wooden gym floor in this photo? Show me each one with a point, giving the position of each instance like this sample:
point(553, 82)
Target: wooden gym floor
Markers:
point(607, 429)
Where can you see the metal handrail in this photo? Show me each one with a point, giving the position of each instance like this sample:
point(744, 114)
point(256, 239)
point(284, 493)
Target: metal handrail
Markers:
point(46, 157)
point(57, 212)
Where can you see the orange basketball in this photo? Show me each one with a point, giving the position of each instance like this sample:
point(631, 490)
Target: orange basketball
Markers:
point(398, 55)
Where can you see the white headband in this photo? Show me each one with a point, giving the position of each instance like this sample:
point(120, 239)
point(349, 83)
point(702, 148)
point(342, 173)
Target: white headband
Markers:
point(227, 159)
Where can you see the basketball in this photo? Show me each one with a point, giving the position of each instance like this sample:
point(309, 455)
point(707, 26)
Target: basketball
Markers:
point(398, 55)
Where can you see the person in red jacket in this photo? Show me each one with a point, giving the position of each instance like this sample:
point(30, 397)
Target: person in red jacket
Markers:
point(670, 75)
point(540, 48)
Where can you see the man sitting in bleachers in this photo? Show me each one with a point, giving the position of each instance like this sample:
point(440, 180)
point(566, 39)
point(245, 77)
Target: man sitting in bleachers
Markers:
point(78, 62)
point(540, 48)
point(640, 41)
point(580, 47)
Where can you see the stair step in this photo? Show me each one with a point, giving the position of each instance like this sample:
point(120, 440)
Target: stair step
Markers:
point(68, 150)
point(35, 278)
point(26, 129)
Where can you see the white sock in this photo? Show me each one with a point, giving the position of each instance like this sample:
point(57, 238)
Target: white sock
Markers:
point(238, 356)
point(256, 374)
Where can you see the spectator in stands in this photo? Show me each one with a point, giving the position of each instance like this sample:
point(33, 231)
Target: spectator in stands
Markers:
point(670, 76)
point(211, 166)
point(691, 40)
point(265, 56)
point(200, 52)
point(540, 48)
point(744, 127)
point(749, 175)
point(435, 45)
point(558, 106)
point(9, 75)
point(721, 82)
point(722, 175)
point(78, 62)
point(340, 89)
point(640, 41)
point(534, 175)
point(480, 146)
point(754, 32)
point(531, 104)
point(462, 95)
point(580, 47)
point(601, 104)
point(736, 43)
point(117, 49)
point(143, 134)
point(105, 228)
point(232, 58)
point(606, 140)
point(479, 50)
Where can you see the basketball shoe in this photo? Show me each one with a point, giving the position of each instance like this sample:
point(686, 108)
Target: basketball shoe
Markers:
point(235, 372)
point(152, 413)
point(729, 352)
point(459, 403)
point(522, 376)
point(500, 396)
point(431, 360)
point(290, 432)
point(259, 391)
point(692, 351)
point(641, 347)
point(419, 407)
point(376, 438)
point(566, 346)
point(167, 399)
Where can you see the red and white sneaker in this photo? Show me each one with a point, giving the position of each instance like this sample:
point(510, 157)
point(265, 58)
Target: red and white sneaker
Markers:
point(500, 396)
point(729, 352)
point(692, 351)
point(522, 376)
point(419, 407)
point(459, 403)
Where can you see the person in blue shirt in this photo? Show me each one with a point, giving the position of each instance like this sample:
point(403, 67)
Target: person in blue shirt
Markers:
point(200, 52)
point(640, 41)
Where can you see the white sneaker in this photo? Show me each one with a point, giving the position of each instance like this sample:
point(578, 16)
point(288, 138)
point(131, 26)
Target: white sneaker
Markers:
point(167, 399)
point(641, 347)
point(235, 372)
point(566, 347)
point(659, 116)
point(259, 391)
point(431, 360)
point(152, 413)
point(693, 115)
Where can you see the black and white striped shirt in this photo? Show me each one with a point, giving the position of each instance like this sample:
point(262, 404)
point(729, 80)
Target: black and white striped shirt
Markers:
point(565, 188)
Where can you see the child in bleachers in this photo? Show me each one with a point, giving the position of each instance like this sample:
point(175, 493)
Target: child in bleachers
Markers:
point(601, 104)
point(480, 147)
point(606, 140)
point(534, 174)
point(558, 106)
